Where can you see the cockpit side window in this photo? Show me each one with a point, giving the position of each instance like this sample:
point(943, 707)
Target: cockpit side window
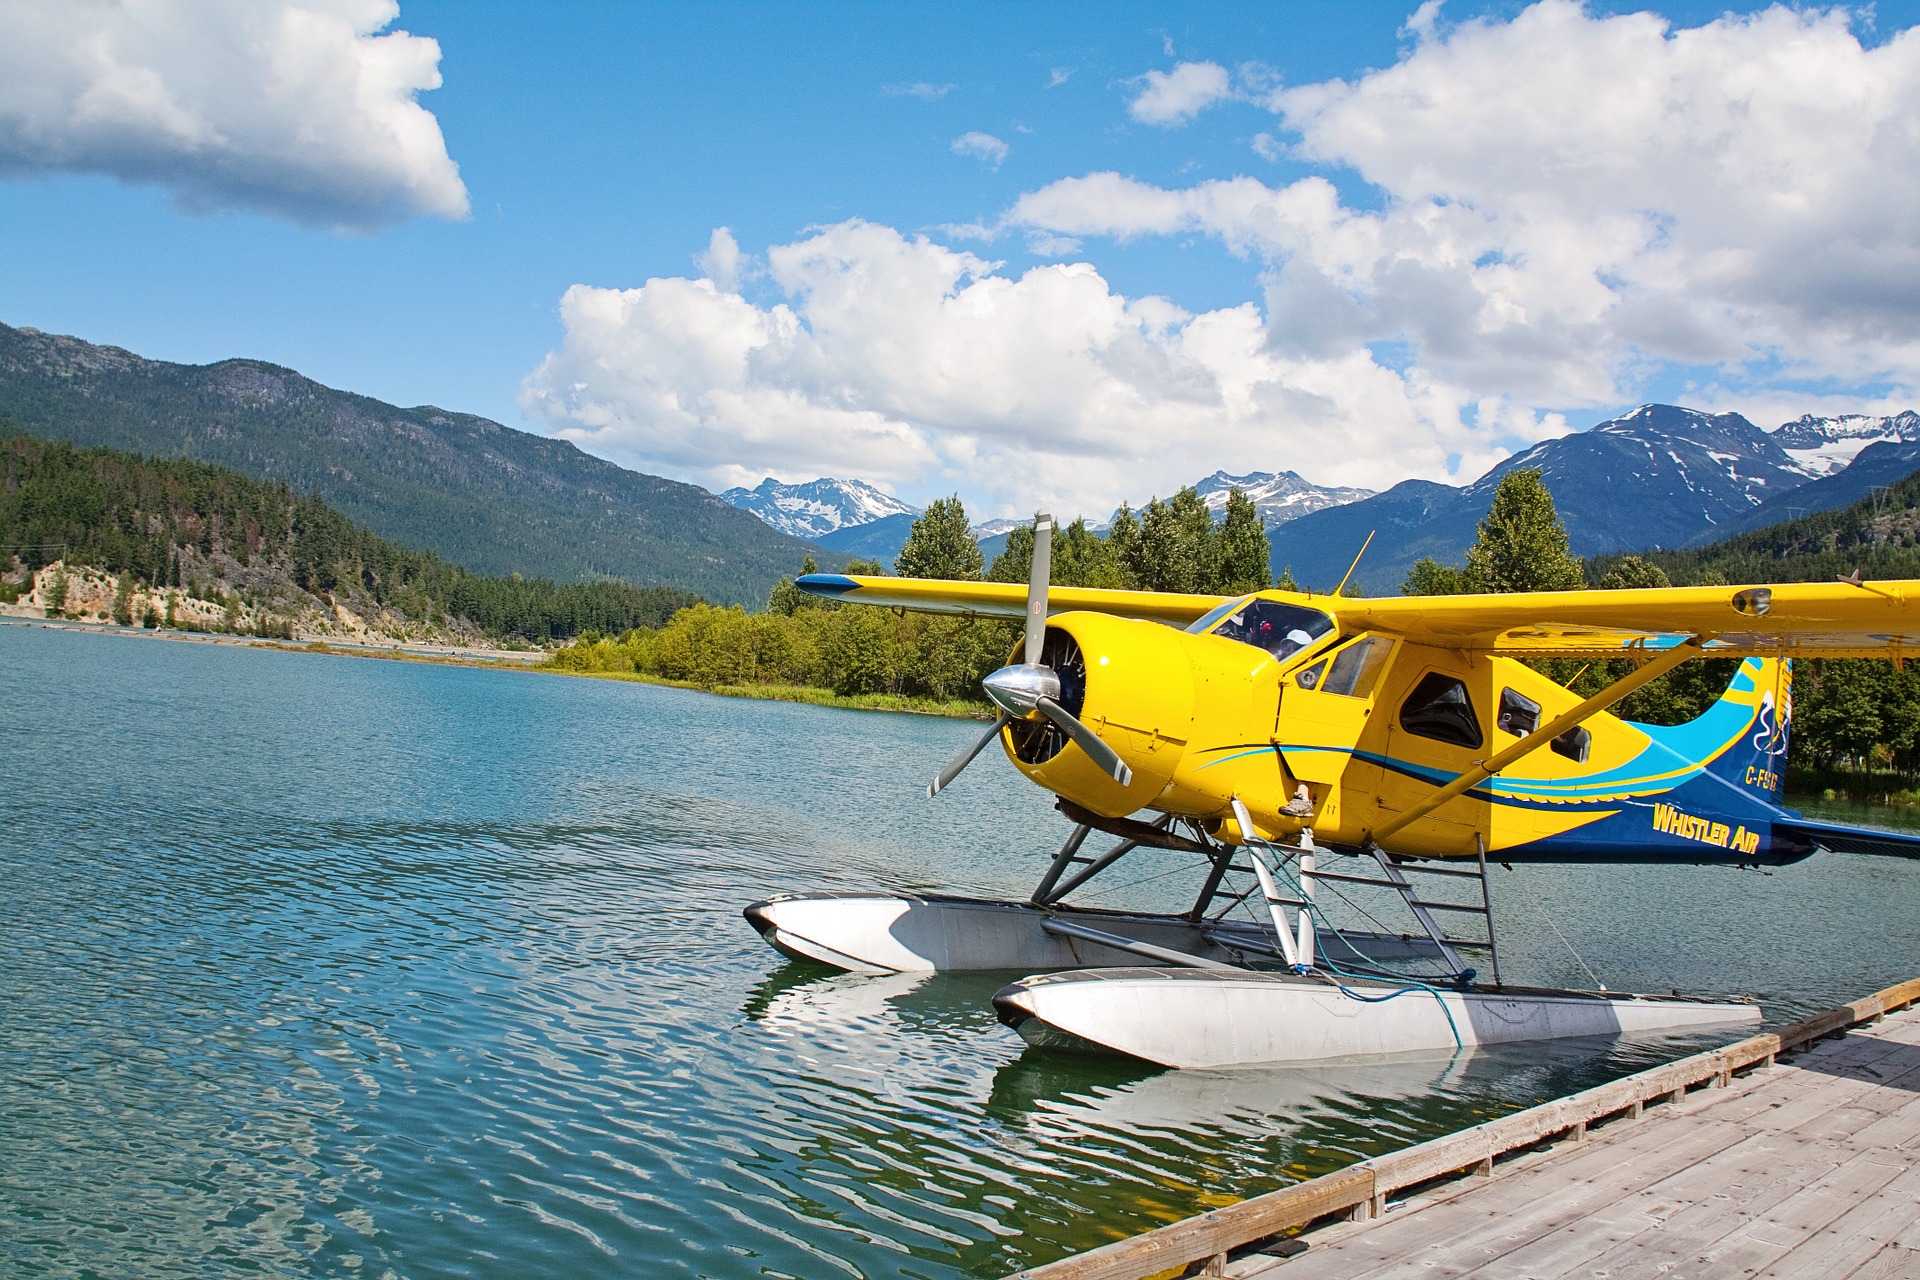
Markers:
point(1439, 708)
point(1281, 629)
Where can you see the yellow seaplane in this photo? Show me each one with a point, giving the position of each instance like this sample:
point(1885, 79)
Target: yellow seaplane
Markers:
point(1304, 746)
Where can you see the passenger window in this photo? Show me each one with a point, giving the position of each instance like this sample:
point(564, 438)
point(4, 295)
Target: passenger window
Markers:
point(1573, 744)
point(1356, 666)
point(1310, 678)
point(1439, 708)
point(1519, 714)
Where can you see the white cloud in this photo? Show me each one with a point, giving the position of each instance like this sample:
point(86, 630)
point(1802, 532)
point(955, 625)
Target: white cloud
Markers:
point(918, 89)
point(722, 263)
point(901, 360)
point(981, 146)
point(1177, 96)
point(1564, 198)
point(300, 110)
point(1059, 76)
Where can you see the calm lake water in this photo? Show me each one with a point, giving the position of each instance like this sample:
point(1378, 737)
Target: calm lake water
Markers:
point(322, 966)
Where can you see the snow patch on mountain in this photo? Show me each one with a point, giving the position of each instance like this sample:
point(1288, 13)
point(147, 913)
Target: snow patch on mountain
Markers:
point(1826, 445)
point(818, 506)
point(1277, 496)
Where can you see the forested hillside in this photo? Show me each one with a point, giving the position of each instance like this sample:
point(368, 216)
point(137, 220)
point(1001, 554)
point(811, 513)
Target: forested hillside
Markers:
point(481, 495)
point(171, 525)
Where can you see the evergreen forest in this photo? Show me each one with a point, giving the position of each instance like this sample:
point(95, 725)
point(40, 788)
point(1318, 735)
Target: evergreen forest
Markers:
point(173, 523)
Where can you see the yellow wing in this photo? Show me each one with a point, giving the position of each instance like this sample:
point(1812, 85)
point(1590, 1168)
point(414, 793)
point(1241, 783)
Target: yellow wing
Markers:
point(1803, 619)
point(1006, 599)
point(1795, 619)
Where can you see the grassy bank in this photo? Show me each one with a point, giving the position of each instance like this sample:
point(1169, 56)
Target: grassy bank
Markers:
point(953, 708)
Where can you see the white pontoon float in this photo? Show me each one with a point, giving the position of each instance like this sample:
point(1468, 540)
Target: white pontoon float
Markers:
point(1201, 989)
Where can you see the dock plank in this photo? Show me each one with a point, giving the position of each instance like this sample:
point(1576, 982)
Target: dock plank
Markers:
point(1803, 1169)
point(1852, 1240)
point(1505, 1214)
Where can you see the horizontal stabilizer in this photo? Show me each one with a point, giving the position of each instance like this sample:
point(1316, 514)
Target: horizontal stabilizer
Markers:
point(1831, 837)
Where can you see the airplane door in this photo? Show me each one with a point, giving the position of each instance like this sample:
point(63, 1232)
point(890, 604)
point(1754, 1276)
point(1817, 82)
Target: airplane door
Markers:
point(1325, 707)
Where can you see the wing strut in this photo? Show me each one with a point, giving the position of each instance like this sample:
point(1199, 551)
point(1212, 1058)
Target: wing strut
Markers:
point(1653, 670)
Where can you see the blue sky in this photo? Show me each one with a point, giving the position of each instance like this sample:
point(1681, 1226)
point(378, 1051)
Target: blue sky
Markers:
point(601, 145)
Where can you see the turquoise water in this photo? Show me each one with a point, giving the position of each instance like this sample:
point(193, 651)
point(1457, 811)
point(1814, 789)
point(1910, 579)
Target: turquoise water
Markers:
point(324, 966)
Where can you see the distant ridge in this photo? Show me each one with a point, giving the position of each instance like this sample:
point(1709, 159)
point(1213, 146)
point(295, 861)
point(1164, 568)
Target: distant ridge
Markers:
point(482, 495)
point(1828, 445)
point(817, 507)
point(1660, 476)
point(1279, 497)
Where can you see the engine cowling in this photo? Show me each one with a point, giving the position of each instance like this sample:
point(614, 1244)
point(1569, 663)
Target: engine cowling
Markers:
point(1131, 683)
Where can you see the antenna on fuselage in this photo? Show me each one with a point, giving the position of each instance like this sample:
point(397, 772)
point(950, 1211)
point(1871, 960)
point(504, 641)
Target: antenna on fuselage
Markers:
point(1356, 561)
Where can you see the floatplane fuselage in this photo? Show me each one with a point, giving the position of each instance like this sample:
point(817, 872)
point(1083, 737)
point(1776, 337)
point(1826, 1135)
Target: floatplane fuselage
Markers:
point(1269, 731)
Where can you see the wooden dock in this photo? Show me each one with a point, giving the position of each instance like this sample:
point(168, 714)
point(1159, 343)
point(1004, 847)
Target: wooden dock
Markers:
point(1789, 1154)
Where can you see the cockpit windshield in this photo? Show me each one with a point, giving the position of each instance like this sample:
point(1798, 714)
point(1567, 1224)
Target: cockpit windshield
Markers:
point(1281, 629)
point(1204, 623)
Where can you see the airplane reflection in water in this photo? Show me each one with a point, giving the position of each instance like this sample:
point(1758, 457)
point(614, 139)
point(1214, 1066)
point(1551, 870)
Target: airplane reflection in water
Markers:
point(1361, 1104)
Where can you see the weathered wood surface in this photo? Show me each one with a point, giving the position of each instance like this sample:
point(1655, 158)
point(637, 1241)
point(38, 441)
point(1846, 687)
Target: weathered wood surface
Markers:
point(1837, 1111)
point(1806, 1169)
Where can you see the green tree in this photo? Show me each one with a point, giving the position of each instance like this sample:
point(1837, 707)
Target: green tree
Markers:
point(1240, 561)
point(123, 600)
point(1522, 546)
point(939, 544)
point(861, 652)
point(1123, 545)
point(1082, 558)
point(57, 588)
point(1632, 572)
point(1429, 577)
point(1015, 561)
point(1176, 549)
point(1285, 581)
point(788, 599)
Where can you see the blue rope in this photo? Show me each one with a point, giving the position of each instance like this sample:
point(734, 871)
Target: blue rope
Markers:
point(1314, 909)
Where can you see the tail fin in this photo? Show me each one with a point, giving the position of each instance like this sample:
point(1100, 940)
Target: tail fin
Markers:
point(1742, 738)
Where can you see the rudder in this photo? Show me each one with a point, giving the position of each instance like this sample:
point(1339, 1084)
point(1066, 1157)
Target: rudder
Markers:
point(1763, 689)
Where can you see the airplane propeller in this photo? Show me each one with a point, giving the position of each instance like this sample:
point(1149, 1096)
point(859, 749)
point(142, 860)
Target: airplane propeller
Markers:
point(1031, 686)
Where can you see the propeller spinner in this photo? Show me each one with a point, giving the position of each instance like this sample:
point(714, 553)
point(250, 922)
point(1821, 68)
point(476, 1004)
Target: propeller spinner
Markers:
point(1031, 688)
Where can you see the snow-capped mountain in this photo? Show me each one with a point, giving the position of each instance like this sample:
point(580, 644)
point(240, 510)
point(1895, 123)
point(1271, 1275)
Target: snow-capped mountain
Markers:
point(1278, 496)
point(994, 528)
point(1827, 445)
point(1660, 476)
point(817, 507)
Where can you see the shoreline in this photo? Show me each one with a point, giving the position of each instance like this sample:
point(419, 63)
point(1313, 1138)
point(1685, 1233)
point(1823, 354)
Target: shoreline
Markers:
point(529, 660)
point(799, 693)
point(398, 651)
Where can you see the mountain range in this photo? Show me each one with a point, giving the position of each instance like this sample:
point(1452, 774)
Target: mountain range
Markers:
point(482, 495)
point(1660, 476)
